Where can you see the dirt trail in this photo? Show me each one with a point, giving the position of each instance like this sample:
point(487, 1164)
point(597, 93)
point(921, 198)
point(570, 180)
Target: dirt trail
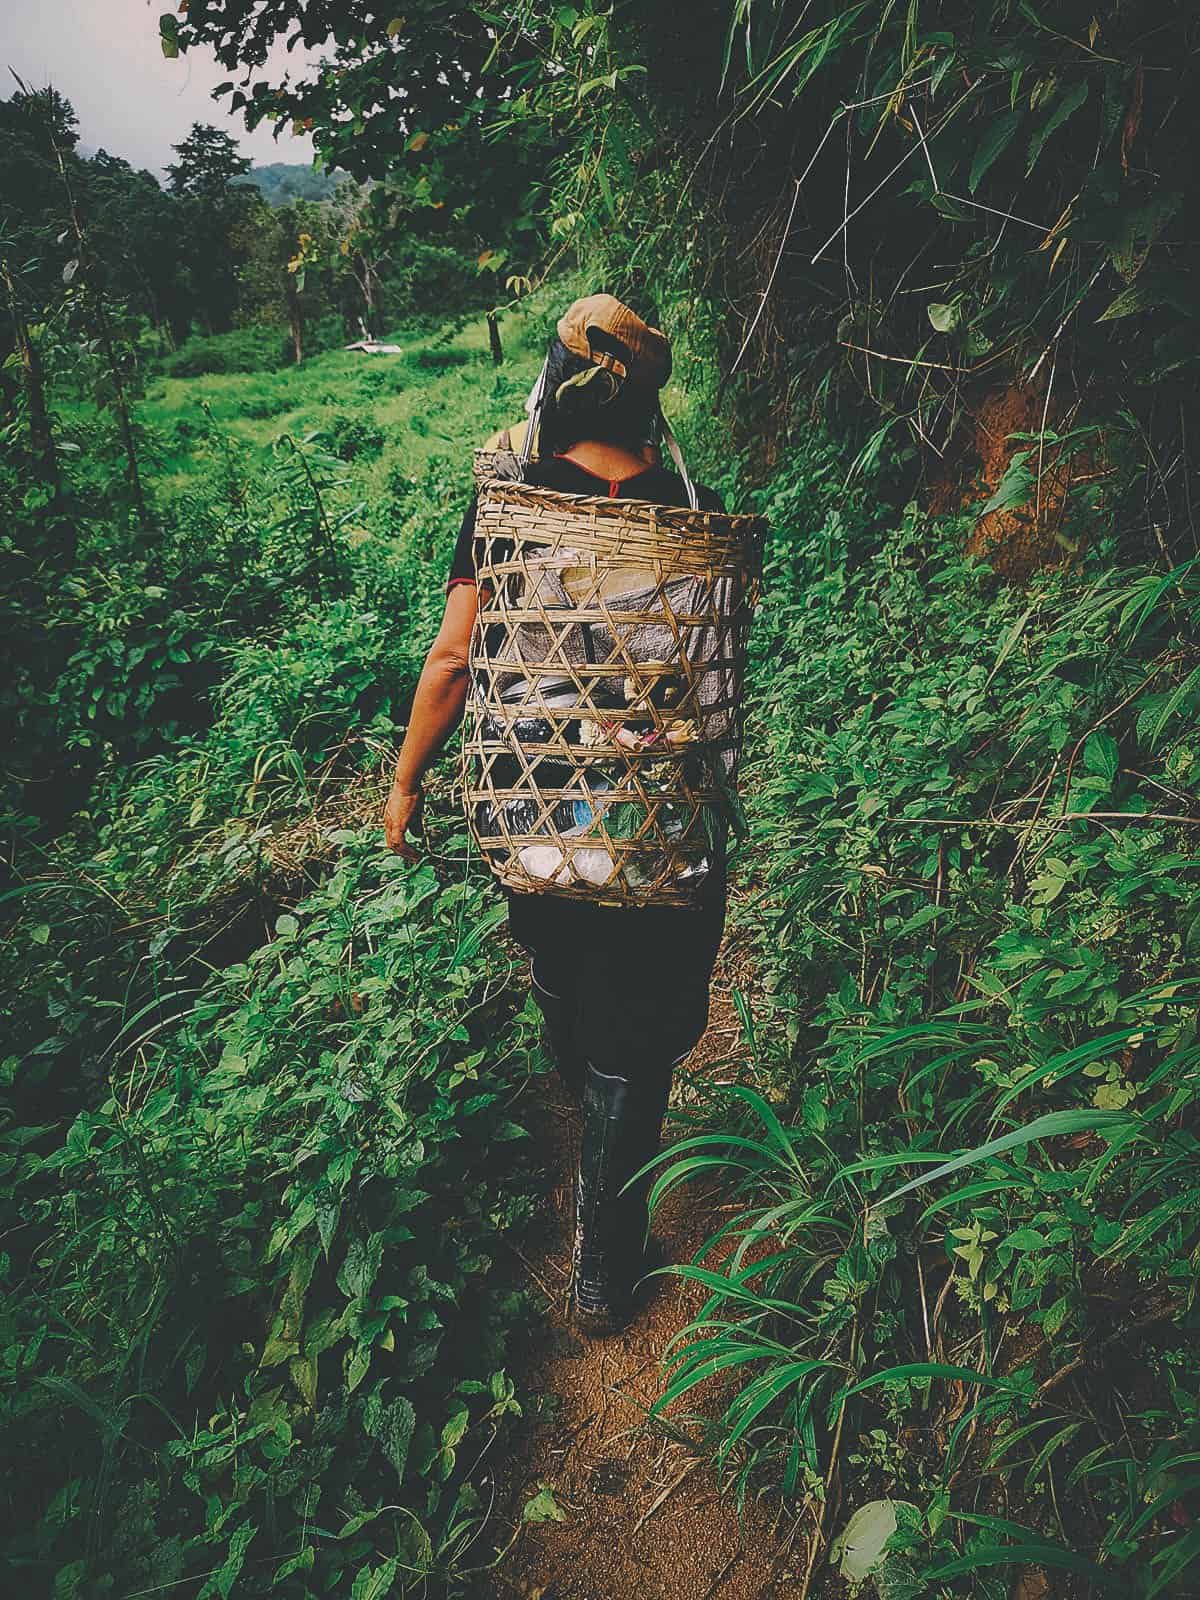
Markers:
point(643, 1516)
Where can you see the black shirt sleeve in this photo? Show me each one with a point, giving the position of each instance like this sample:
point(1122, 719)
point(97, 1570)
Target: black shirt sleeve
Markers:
point(462, 567)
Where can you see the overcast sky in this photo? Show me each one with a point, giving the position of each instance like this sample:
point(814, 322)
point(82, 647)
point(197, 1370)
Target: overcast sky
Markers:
point(104, 56)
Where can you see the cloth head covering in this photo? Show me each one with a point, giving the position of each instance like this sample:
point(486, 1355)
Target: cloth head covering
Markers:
point(608, 334)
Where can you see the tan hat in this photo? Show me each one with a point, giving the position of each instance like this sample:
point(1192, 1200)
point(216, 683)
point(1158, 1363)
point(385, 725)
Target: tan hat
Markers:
point(608, 334)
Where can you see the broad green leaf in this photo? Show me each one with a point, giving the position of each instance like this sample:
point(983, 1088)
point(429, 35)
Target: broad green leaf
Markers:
point(859, 1547)
point(994, 143)
point(1025, 1239)
point(945, 318)
point(375, 1583)
point(455, 1428)
point(1053, 1125)
point(1030, 1553)
point(222, 1581)
point(543, 1507)
point(1135, 297)
point(1067, 106)
point(1101, 755)
point(301, 1562)
point(1015, 487)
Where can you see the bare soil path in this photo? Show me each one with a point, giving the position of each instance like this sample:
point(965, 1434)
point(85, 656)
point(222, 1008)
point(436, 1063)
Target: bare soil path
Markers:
point(643, 1515)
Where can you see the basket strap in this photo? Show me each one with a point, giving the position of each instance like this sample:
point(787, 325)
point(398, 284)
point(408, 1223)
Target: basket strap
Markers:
point(677, 457)
point(533, 410)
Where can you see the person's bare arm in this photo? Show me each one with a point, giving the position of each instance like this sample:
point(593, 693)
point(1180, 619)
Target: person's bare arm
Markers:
point(437, 710)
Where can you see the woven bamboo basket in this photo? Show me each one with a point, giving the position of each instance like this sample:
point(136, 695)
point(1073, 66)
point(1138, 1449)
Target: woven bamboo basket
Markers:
point(604, 724)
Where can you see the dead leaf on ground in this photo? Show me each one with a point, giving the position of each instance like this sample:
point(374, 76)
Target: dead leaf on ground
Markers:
point(1032, 1584)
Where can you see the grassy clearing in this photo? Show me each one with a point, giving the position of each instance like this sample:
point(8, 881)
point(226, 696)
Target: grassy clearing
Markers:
point(427, 404)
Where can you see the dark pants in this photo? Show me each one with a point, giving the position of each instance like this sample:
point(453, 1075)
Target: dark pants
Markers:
point(636, 981)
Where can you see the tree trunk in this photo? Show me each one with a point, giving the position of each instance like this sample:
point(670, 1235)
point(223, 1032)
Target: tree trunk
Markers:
point(121, 400)
point(295, 320)
point(41, 436)
point(162, 324)
point(95, 293)
point(366, 282)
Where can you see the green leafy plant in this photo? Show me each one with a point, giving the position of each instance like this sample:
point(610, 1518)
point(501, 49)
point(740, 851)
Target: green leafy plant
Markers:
point(264, 1184)
point(967, 1169)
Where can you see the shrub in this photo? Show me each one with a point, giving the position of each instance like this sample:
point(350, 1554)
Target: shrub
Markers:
point(289, 1230)
point(259, 349)
point(255, 1322)
point(964, 1177)
point(261, 407)
point(352, 437)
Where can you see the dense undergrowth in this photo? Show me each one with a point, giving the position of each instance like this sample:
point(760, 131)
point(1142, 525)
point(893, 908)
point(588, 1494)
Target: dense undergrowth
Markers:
point(964, 1261)
point(263, 1091)
point(262, 1094)
point(259, 1144)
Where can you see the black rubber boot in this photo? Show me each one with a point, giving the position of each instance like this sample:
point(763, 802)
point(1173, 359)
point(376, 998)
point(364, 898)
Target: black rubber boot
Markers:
point(558, 1014)
point(622, 1122)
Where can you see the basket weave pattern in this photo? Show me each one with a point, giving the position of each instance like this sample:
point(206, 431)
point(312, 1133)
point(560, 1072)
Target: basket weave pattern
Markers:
point(603, 726)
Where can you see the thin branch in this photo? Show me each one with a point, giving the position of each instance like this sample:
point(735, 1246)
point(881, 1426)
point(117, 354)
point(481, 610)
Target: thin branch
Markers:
point(889, 175)
point(1058, 331)
point(843, 111)
point(906, 361)
point(851, 283)
point(1009, 216)
point(1064, 816)
point(1037, 512)
point(762, 303)
point(937, 188)
point(961, 199)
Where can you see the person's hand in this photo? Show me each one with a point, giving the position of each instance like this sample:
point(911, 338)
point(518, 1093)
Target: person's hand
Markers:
point(402, 816)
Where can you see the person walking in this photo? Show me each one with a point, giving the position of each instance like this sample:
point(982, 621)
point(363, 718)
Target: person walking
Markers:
point(623, 993)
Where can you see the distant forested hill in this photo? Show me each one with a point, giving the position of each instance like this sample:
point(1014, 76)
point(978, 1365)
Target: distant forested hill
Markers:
point(281, 182)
